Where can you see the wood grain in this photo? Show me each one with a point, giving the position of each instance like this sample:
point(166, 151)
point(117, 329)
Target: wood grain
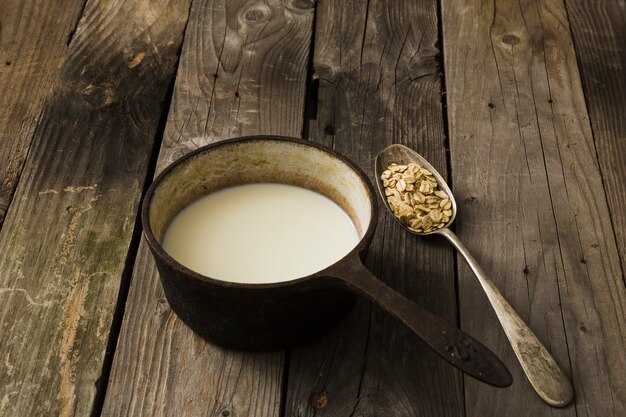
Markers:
point(377, 67)
point(599, 33)
point(33, 44)
point(242, 71)
point(66, 236)
point(533, 208)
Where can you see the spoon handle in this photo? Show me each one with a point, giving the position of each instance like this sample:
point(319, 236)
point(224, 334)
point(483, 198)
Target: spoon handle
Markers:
point(540, 368)
point(458, 348)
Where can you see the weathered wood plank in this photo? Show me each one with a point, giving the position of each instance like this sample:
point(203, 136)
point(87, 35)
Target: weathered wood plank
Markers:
point(599, 33)
point(33, 44)
point(533, 207)
point(242, 71)
point(379, 82)
point(64, 243)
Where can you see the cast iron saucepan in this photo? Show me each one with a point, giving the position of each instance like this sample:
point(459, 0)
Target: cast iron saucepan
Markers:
point(267, 316)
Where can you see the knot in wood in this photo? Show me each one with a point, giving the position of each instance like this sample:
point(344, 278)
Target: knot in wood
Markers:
point(162, 306)
point(319, 400)
point(301, 4)
point(99, 96)
point(326, 72)
point(423, 67)
point(469, 200)
point(259, 13)
point(510, 40)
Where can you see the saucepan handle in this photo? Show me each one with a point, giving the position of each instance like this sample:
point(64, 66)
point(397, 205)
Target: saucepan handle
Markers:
point(458, 348)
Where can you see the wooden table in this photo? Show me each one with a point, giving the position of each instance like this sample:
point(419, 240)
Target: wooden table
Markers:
point(521, 103)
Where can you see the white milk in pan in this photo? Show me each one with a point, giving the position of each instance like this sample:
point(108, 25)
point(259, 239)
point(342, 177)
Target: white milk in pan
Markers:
point(260, 233)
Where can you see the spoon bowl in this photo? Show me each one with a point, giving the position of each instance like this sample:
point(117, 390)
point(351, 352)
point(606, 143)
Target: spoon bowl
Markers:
point(400, 154)
point(542, 371)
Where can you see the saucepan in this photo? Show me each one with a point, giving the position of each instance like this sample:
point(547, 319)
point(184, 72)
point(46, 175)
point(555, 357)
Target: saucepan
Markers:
point(253, 316)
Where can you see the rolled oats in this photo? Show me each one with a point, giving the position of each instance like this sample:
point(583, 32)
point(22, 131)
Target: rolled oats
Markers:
point(415, 199)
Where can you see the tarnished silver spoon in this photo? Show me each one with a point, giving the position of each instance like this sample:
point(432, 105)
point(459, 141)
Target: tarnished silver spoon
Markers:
point(544, 374)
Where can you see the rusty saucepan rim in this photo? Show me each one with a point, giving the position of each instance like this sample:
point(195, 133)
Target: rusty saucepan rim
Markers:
point(198, 278)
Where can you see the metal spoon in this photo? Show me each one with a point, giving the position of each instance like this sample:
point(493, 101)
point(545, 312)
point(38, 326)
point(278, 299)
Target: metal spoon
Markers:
point(541, 369)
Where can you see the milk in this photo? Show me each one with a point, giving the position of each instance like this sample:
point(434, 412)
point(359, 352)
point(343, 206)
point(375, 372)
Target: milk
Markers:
point(260, 233)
